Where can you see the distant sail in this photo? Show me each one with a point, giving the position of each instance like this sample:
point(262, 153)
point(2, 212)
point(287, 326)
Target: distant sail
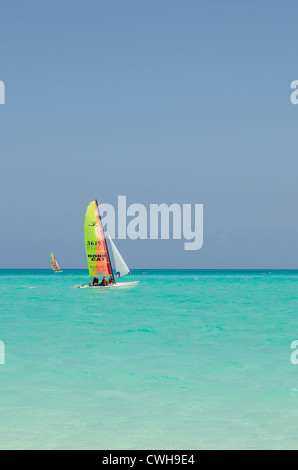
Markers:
point(54, 263)
point(121, 267)
point(96, 248)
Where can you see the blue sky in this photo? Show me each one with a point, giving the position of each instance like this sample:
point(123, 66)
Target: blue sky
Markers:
point(161, 101)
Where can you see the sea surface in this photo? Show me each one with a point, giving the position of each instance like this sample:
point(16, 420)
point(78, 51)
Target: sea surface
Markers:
point(187, 360)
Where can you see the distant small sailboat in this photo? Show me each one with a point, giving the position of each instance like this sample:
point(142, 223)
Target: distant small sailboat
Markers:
point(97, 252)
point(55, 265)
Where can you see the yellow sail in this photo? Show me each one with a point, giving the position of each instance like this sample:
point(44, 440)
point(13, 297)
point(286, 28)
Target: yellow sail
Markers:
point(96, 248)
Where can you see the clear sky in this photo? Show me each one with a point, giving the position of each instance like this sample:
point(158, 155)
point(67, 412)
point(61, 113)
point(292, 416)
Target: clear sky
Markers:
point(161, 101)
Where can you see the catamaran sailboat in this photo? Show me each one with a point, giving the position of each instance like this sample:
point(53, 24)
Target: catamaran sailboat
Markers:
point(55, 265)
point(97, 252)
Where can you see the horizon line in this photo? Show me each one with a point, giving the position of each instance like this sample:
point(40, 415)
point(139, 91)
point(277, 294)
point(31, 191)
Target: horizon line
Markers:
point(161, 269)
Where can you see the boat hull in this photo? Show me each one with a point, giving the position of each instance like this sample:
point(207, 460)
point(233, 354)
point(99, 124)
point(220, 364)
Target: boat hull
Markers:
point(122, 285)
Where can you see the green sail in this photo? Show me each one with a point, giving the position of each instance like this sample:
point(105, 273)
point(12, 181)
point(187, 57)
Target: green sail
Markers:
point(96, 248)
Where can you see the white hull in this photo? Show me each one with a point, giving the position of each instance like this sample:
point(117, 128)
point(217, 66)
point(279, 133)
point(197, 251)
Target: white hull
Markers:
point(122, 285)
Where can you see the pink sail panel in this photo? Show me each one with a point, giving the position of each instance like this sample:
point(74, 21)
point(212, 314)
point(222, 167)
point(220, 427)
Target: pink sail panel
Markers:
point(102, 263)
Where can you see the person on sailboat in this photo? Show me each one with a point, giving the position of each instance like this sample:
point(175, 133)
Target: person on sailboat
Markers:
point(111, 280)
point(104, 281)
point(95, 281)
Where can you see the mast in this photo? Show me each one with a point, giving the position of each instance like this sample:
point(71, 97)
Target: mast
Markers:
point(106, 243)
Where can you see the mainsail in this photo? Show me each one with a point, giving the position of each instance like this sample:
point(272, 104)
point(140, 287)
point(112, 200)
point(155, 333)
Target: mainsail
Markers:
point(54, 263)
point(96, 249)
point(120, 265)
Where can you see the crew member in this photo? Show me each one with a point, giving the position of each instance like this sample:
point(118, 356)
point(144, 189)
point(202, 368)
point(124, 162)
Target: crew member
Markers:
point(104, 281)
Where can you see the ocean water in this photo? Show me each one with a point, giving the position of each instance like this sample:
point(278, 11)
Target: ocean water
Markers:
point(187, 360)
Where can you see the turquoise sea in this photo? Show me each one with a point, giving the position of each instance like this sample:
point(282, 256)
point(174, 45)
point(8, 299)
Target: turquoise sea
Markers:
point(187, 360)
